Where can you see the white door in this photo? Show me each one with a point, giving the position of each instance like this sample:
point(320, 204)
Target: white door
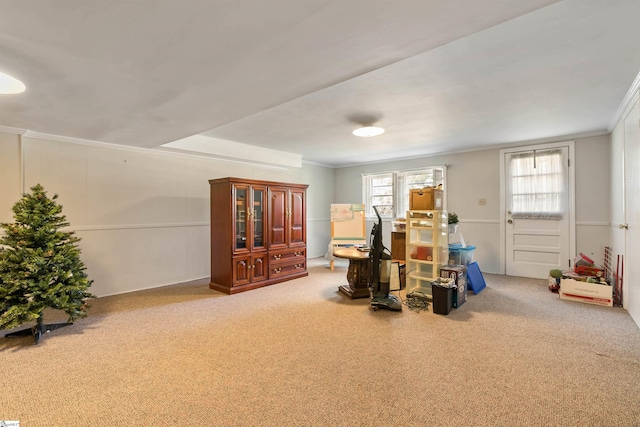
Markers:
point(617, 196)
point(631, 277)
point(538, 216)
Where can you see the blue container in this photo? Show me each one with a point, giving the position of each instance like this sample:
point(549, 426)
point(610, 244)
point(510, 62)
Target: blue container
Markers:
point(461, 256)
point(475, 278)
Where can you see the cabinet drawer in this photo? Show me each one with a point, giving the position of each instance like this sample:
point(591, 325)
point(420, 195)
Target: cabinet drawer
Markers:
point(287, 256)
point(276, 271)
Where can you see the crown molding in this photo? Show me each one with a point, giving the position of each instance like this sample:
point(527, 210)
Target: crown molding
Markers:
point(626, 101)
point(7, 129)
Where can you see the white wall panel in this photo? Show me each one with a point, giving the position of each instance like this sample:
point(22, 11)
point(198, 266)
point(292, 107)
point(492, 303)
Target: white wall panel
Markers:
point(198, 250)
point(10, 175)
point(592, 179)
point(61, 169)
point(592, 238)
point(199, 173)
point(593, 195)
point(616, 190)
point(320, 196)
point(127, 187)
point(470, 176)
point(482, 234)
point(143, 215)
point(631, 280)
point(476, 175)
point(124, 260)
point(318, 237)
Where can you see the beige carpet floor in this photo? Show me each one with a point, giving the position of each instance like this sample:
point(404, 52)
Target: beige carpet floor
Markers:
point(301, 354)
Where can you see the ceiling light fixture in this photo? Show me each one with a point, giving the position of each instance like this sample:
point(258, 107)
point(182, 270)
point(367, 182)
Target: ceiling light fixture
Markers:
point(10, 85)
point(368, 131)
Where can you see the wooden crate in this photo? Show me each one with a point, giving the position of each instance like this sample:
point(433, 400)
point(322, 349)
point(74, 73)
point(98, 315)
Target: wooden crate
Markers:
point(589, 293)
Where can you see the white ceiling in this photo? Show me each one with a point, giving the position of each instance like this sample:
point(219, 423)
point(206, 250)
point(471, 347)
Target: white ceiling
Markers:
point(299, 75)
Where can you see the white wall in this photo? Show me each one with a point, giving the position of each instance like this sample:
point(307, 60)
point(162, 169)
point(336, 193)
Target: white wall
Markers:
point(475, 175)
point(142, 215)
point(9, 175)
point(617, 208)
point(624, 143)
point(320, 196)
point(593, 176)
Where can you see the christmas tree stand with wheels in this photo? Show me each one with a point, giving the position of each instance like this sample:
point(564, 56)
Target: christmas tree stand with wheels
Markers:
point(40, 267)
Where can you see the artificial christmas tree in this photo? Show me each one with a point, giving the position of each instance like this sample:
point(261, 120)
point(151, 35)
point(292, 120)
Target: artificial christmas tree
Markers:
point(40, 266)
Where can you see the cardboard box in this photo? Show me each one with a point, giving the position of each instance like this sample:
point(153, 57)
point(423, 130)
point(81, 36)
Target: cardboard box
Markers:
point(593, 271)
point(582, 259)
point(459, 274)
point(425, 199)
point(589, 293)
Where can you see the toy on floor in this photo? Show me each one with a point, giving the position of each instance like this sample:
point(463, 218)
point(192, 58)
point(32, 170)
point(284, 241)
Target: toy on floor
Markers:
point(554, 280)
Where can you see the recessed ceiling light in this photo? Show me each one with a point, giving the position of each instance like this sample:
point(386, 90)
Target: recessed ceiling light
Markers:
point(10, 85)
point(368, 131)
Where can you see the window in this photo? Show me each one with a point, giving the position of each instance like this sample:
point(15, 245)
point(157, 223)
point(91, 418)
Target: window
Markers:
point(379, 191)
point(389, 192)
point(537, 184)
point(409, 180)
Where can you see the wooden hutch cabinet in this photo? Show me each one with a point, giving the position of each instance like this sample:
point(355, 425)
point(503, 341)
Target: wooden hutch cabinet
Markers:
point(258, 233)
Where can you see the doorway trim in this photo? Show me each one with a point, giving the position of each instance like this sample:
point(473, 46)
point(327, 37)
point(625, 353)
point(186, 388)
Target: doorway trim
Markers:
point(572, 195)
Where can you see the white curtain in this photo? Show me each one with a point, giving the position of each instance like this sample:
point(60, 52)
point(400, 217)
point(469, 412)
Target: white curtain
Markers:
point(537, 184)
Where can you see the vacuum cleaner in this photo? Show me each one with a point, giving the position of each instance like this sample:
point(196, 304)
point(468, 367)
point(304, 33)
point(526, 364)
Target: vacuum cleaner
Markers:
point(380, 271)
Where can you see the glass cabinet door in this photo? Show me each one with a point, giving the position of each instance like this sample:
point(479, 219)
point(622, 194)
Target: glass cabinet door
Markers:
point(258, 216)
point(241, 195)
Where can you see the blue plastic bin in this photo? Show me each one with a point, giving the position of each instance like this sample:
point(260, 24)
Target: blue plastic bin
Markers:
point(475, 278)
point(461, 256)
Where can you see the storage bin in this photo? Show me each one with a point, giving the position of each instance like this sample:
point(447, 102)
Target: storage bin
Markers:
point(475, 280)
point(461, 256)
point(399, 226)
point(590, 293)
point(424, 253)
point(442, 298)
point(425, 199)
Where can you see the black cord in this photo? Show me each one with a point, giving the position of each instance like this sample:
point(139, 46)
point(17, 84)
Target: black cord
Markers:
point(417, 301)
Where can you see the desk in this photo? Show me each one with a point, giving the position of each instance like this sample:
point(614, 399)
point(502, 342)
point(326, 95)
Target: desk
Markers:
point(358, 273)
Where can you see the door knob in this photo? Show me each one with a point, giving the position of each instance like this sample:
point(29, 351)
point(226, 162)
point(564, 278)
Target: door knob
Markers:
point(510, 221)
point(623, 226)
